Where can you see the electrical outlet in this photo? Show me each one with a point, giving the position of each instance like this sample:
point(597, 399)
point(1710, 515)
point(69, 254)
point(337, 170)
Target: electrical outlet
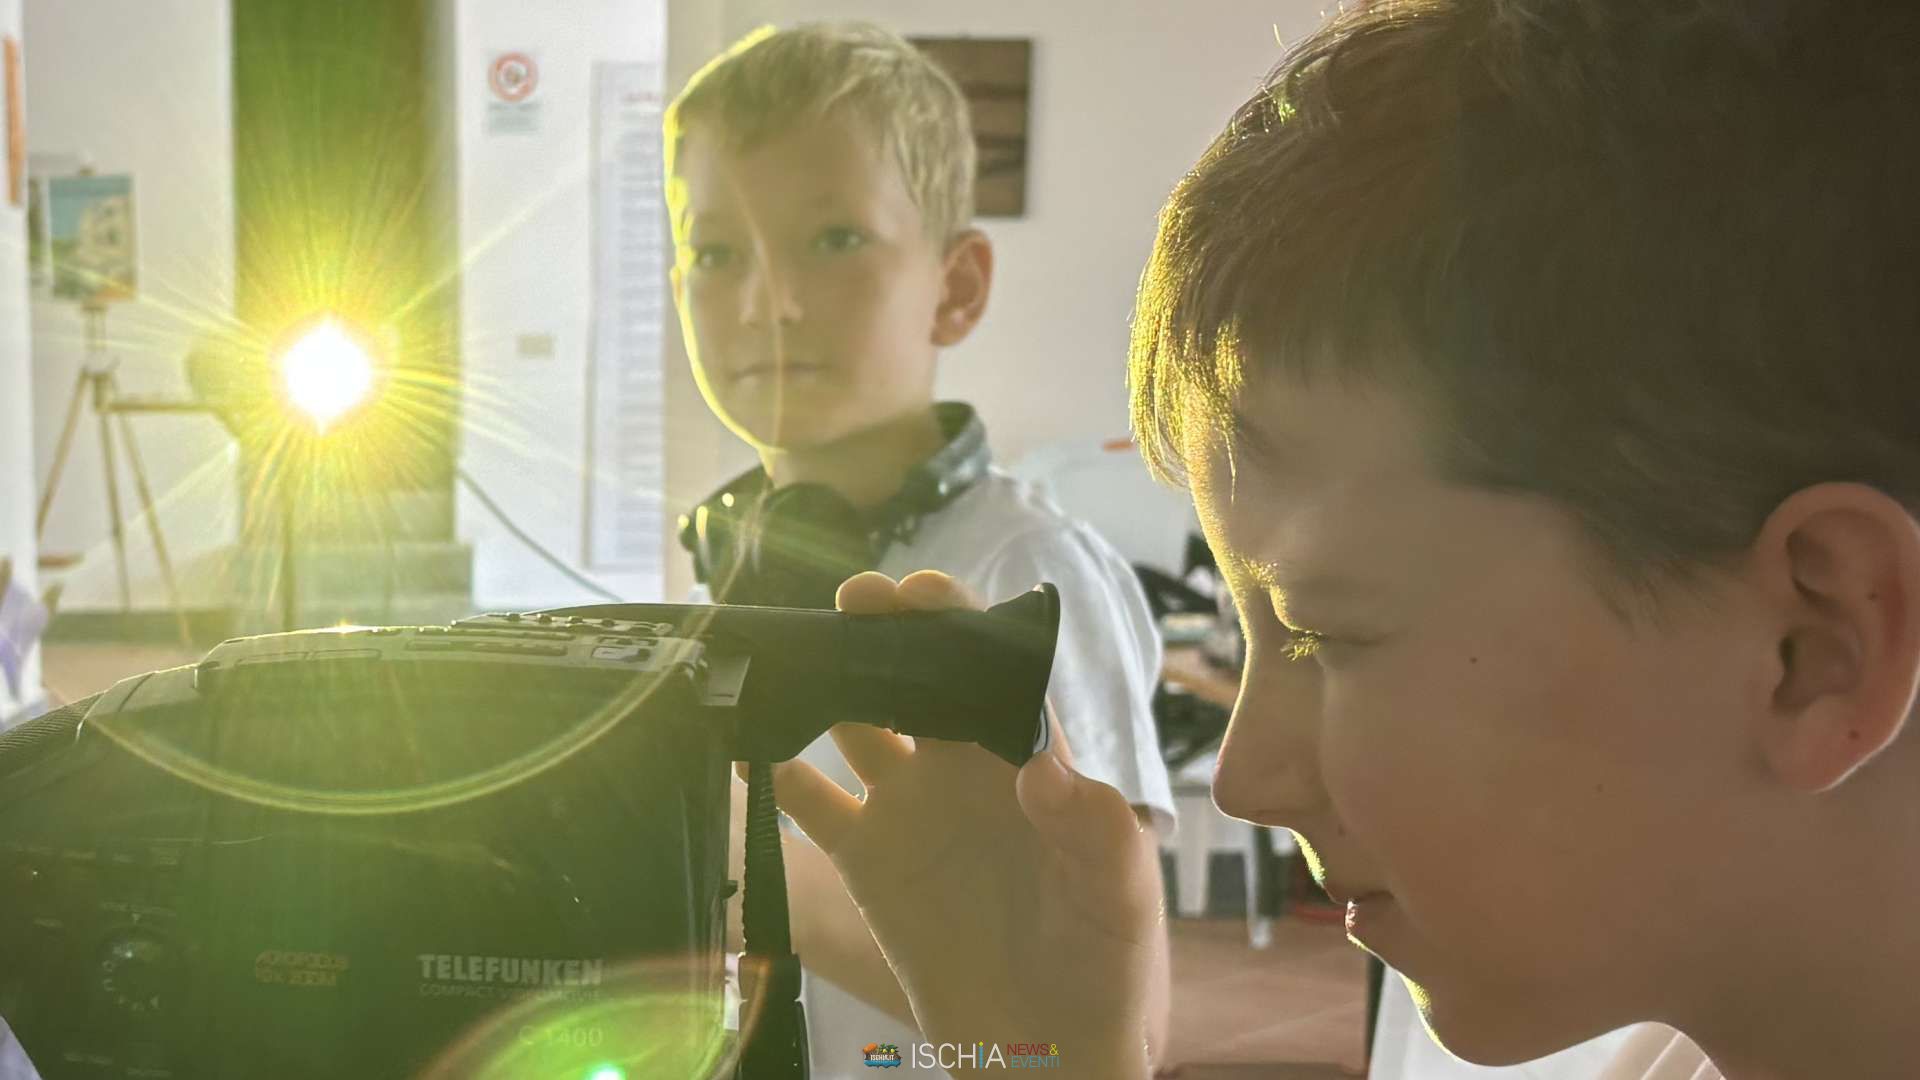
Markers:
point(536, 346)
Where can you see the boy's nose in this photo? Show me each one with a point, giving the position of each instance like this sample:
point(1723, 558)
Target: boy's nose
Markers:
point(1269, 768)
point(768, 296)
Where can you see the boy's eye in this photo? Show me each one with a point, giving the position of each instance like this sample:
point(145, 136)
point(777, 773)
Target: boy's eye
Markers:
point(839, 238)
point(709, 256)
point(1302, 644)
point(1298, 644)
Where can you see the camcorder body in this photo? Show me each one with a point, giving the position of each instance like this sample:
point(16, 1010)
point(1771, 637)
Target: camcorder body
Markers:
point(496, 848)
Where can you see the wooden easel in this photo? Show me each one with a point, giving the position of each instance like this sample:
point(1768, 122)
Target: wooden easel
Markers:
point(97, 383)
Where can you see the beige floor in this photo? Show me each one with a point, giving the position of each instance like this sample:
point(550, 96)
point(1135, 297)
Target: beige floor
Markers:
point(72, 671)
point(1294, 1011)
point(1239, 1014)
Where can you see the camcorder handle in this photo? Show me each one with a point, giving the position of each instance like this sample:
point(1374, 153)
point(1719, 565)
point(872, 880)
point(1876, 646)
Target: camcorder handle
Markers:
point(780, 677)
point(964, 676)
point(960, 675)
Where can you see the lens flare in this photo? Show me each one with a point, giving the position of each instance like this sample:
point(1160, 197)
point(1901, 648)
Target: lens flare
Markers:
point(660, 1016)
point(326, 374)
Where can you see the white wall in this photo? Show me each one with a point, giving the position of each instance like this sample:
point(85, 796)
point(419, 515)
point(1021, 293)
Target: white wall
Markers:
point(140, 86)
point(16, 398)
point(525, 221)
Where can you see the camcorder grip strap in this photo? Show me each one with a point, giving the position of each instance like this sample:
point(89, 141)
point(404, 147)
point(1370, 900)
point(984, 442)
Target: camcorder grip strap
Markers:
point(774, 1024)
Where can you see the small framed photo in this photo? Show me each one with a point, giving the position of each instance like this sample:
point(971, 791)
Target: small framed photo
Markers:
point(996, 75)
point(91, 236)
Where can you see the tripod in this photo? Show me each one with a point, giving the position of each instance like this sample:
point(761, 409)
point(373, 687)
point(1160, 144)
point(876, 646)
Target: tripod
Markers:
point(96, 383)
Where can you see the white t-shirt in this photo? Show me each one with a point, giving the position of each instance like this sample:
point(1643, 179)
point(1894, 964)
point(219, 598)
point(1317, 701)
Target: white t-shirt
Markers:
point(1657, 1052)
point(1402, 1050)
point(1000, 539)
point(13, 1060)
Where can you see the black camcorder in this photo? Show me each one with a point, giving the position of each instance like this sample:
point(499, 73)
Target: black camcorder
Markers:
point(490, 849)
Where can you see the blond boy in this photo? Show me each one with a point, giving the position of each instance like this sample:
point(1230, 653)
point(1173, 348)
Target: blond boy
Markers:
point(820, 186)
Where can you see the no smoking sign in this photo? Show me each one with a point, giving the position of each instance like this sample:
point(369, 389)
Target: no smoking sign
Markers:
point(512, 107)
point(514, 77)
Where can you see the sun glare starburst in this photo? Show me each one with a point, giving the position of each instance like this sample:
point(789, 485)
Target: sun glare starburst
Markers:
point(326, 373)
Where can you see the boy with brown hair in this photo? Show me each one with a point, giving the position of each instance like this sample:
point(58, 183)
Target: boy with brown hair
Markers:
point(820, 184)
point(1544, 373)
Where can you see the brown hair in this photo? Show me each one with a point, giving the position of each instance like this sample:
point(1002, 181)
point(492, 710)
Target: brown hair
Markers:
point(1655, 259)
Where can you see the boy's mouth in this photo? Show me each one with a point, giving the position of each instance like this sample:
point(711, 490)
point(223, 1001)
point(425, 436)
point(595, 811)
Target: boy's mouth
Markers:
point(771, 370)
point(1364, 914)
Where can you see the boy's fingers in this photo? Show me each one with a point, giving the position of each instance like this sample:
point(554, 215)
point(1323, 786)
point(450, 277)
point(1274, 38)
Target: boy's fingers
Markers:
point(871, 752)
point(822, 808)
point(866, 593)
point(931, 590)
point(1083, 819)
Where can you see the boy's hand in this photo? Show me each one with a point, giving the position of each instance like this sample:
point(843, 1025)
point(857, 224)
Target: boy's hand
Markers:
point(1013, 906)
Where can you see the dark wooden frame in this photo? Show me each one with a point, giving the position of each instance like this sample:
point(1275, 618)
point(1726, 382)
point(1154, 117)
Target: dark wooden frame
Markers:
point(996, 75)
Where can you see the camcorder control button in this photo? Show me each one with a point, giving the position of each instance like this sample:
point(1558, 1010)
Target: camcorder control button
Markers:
point(630, 652)
point(514, 633)
point(435, 646)
point(515, 648)
point(135, 972)
point(341, 656)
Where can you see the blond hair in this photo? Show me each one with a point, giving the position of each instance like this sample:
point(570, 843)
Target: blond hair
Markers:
point(772, 79)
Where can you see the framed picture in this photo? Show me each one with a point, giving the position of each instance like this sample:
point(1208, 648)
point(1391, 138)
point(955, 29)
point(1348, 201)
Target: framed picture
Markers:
point(996, 75)
point(91, 237)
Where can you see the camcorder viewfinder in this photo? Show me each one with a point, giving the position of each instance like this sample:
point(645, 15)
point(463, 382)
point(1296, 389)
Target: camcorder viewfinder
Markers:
point(490, 849)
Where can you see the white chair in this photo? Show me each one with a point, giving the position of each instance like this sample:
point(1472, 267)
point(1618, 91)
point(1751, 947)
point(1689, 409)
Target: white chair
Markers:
point(1203, 831)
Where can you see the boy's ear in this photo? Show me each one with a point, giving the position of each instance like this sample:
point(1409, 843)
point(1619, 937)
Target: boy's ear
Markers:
point(967, 278)
point(1840, 563)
